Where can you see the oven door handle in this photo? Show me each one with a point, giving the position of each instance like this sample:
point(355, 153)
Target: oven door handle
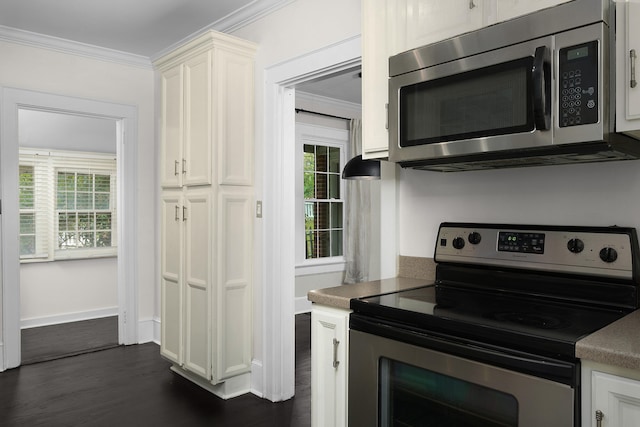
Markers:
point(552, 369)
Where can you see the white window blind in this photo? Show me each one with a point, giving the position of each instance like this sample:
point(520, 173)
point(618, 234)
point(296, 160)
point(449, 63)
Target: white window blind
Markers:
point(67, 205)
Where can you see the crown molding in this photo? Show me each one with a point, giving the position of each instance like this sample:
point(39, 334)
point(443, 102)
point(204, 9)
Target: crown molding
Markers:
point(57, 44)
point(232, 22)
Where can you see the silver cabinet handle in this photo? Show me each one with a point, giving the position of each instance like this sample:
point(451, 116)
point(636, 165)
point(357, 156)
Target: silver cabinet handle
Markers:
point(184, 213)
point(175, 167)
point(184, 166)
point(336, 362)
point(471, 4)
point(599, 417)
point(177, 214)
point(632, 56)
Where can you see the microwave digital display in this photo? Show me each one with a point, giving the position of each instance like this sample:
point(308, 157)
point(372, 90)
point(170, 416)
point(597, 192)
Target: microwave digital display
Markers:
point(578, 53)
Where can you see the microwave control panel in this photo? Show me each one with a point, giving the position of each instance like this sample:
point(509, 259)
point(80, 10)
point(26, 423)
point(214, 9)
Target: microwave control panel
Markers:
point(578, 84)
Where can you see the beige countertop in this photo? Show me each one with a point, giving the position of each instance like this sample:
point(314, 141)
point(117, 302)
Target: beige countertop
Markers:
point(617, 344)
point(340, 296)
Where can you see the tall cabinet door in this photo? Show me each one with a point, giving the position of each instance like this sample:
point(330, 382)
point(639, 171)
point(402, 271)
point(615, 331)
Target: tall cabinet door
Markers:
point(172, 107)
point(196, 165)
point(234, 277)
point(197, 279)
point(171, 276)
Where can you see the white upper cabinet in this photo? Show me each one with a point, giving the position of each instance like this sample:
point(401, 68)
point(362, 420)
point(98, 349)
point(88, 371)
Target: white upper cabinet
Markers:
point(508, 9)
point(421, 22)
point(375, 75)
point(627, 50)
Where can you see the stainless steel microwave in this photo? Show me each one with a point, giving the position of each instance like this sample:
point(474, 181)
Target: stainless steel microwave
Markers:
point(535, 90)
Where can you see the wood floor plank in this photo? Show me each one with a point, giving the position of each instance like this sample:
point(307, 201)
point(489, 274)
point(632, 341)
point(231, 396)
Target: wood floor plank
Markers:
point(133, 386)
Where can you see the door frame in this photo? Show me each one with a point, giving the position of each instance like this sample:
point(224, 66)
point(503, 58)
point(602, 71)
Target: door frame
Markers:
point(126, 117)
point(277, 325)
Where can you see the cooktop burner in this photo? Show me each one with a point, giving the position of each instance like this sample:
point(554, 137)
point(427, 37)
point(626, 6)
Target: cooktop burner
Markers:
point(530, 325)
point(536, 320)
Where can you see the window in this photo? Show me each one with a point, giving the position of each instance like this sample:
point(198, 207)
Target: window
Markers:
point(323, 205)
point(320, 206)
point(67, 205)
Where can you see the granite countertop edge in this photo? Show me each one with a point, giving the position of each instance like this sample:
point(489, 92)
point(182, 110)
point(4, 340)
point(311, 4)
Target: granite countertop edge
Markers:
point(617, 344)
point(341, 296)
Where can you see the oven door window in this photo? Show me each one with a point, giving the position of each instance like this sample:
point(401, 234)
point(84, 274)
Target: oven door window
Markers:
point(412, 396)
point(495, 100)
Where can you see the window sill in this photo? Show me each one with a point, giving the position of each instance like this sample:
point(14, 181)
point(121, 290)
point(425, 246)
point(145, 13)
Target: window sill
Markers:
point(321, 267)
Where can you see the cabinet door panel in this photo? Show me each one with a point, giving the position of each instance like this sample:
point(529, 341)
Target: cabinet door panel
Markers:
point(375, 74)
point(329, 344)
point(618, 398)
point(171, 276)
point(198, 256)
point(172, 127)
point(234, 113)
point(632, 42)
point(508, 9)
point(429, 21)
point(234, 272)
point(197, 139)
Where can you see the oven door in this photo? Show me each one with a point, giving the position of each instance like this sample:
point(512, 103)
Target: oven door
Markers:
point(392, 383)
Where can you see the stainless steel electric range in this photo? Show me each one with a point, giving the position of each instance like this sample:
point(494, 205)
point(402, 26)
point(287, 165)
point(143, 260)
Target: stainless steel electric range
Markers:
point(492, 341)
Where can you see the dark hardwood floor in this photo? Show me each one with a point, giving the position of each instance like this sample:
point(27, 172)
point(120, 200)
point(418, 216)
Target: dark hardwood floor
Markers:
point(68, 339)
point(133, 386)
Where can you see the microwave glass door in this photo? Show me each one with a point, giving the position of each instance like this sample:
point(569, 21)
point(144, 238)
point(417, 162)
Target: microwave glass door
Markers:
point(489, 101)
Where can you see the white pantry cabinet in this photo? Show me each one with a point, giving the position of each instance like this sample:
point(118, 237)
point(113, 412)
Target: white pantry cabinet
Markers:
point(627, 51)
point(329, 366)
point(207, 211)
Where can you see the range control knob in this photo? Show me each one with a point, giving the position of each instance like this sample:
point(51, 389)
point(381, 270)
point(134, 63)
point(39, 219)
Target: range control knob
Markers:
point(608, 254)
point(474, 238)
point(458, 243)
point(575, 245)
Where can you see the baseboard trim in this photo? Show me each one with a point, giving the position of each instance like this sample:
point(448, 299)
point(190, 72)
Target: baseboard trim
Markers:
point(256, 378)
point(303, 305)
point(147, 331)
point(230, 388)
point(68, 317)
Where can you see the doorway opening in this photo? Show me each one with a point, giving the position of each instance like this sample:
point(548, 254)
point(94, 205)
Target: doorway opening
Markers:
point(68, 234)
point(277, 325)
point(124, 119)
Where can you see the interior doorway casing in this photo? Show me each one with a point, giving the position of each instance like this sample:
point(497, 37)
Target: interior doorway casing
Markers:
point(126, 153)
point(278, 266)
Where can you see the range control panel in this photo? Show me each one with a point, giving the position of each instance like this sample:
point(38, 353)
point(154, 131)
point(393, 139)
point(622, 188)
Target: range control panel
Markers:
point(599, 251)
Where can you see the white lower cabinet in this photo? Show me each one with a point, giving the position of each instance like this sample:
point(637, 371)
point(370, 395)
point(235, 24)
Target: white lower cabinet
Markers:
point(329, 366)
point(611, 393)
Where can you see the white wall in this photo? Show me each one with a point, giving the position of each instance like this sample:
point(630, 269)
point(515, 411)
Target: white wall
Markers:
point(62, 291)
point(599, 194)
point(299, 28)
point(50, 71)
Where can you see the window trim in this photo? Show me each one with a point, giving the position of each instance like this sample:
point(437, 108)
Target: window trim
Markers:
point(310, 134)
point(57, 160)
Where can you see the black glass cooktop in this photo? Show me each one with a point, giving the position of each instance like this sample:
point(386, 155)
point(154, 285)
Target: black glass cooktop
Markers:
point(513, 322)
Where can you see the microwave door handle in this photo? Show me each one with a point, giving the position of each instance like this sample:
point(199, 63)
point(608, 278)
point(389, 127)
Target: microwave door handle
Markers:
point(541, 74)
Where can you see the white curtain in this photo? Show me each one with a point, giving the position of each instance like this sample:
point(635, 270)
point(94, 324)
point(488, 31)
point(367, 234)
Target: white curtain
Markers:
point(358, 213)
